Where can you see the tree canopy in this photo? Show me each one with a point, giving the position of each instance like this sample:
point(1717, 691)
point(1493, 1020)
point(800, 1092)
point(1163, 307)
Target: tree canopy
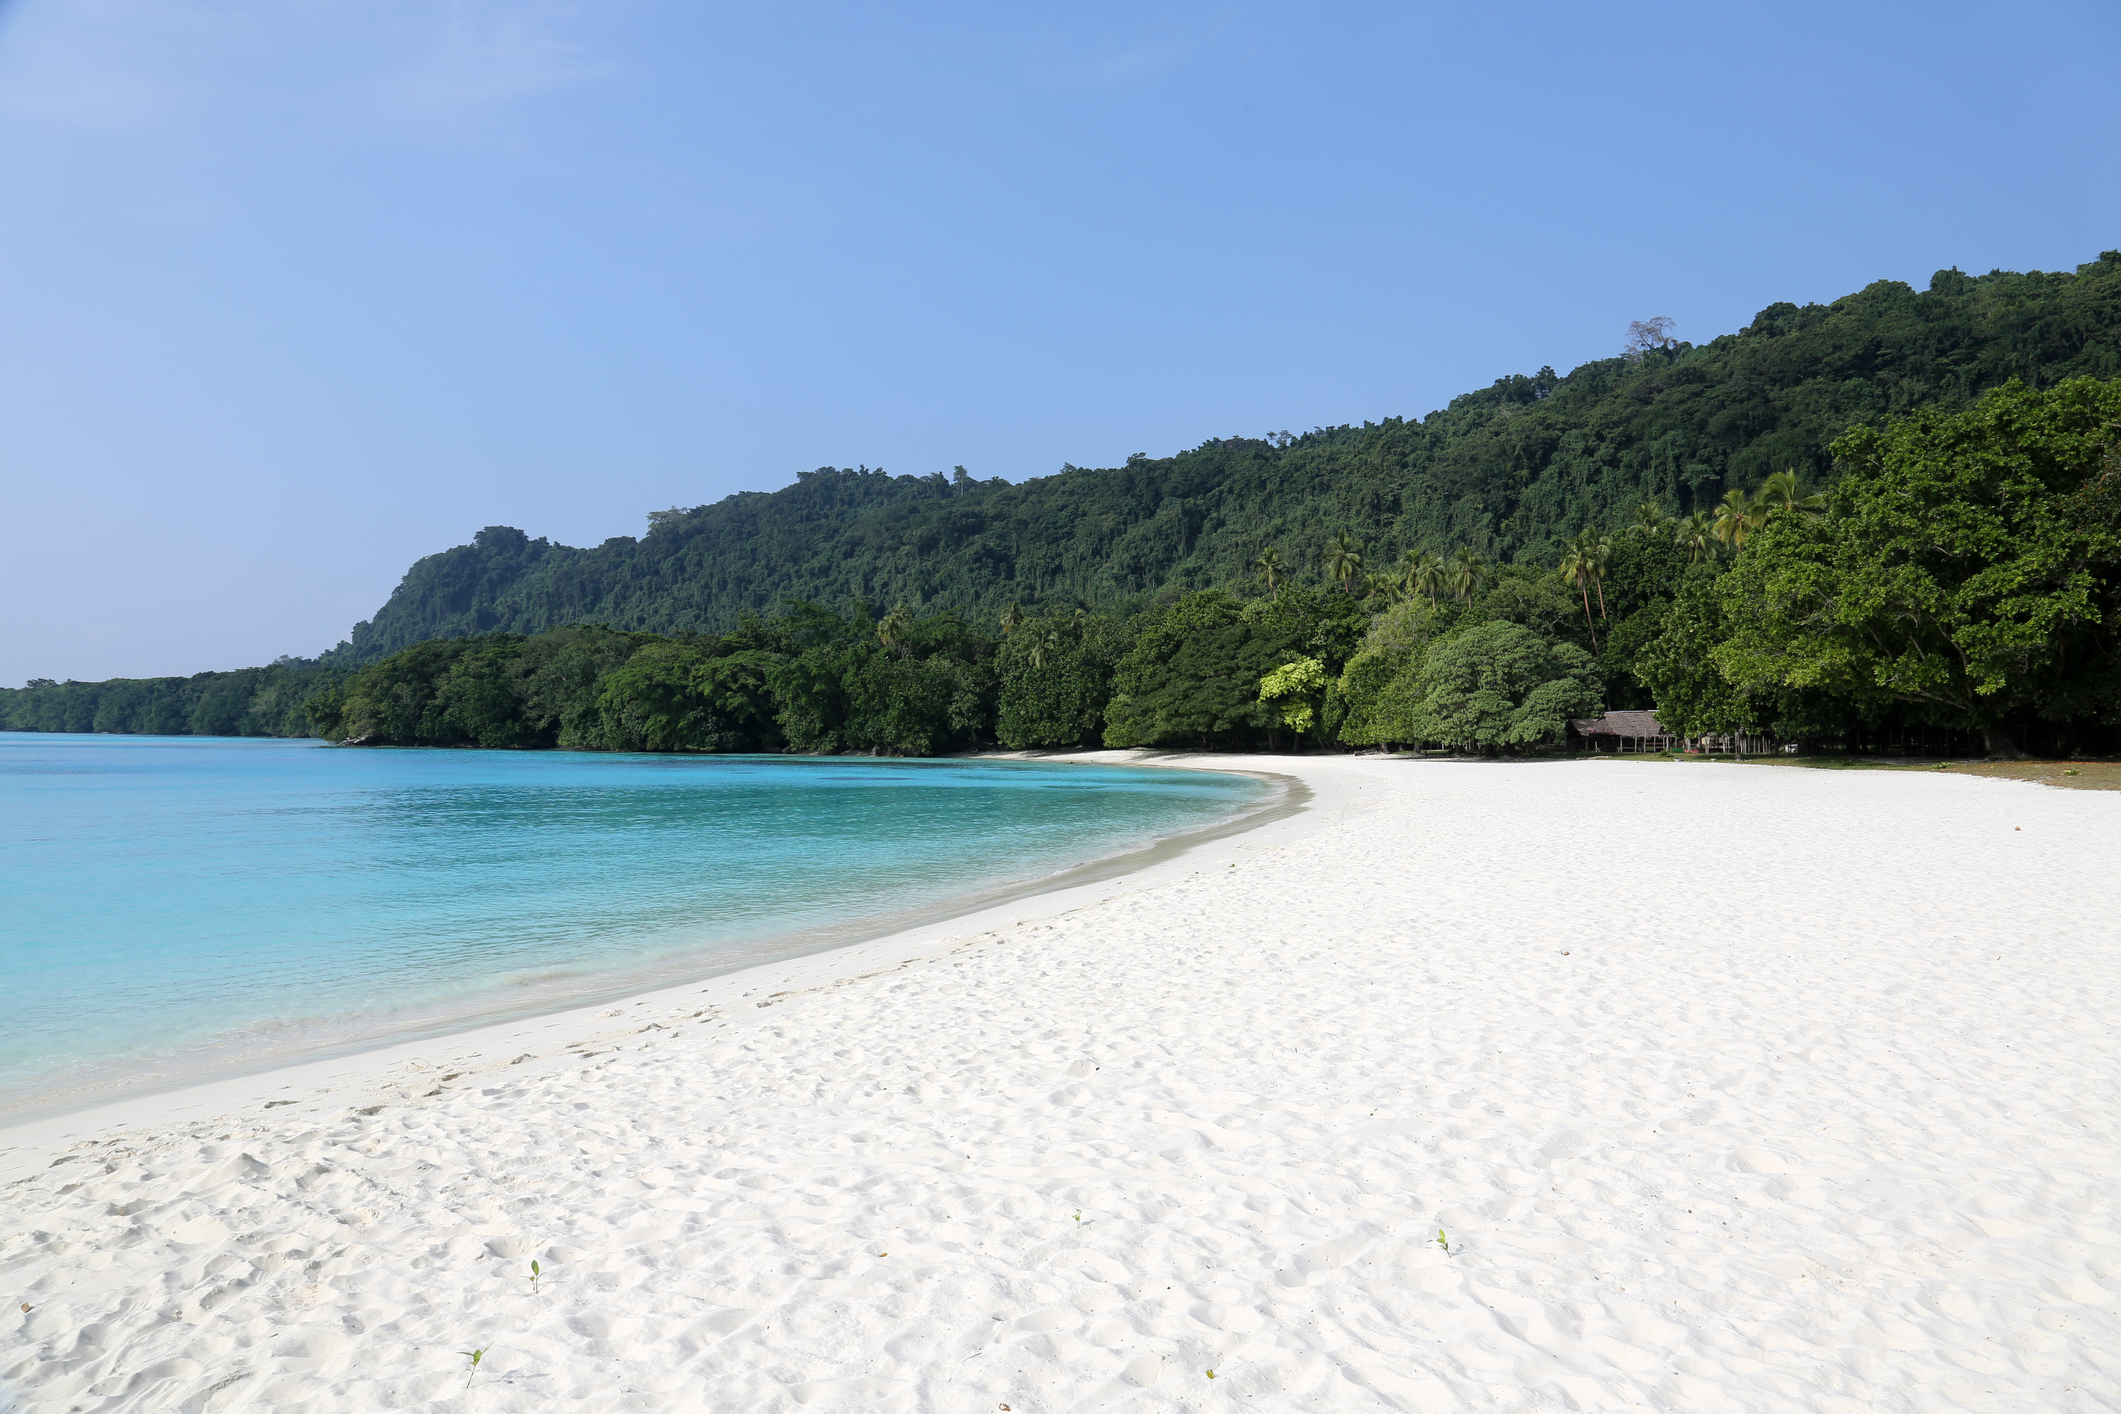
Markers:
point(1954, 568)
point(1897, 516)
point(1507, 473)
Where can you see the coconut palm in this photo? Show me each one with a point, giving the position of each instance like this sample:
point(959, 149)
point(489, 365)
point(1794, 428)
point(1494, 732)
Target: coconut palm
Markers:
point(1271, 568)
point(1650, 518)
point(1576, 571)
point(1344, 561)
point(1737, 516)
point(1697, 536)
point(1421, 573)
point(1597, 547)
point(1383, 586)
point(1012, 618)
point(892, 627)
point(1784, 492)
point(1465, 574)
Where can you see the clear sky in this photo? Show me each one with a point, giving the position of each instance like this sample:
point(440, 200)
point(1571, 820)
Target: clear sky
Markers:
point(295, 291)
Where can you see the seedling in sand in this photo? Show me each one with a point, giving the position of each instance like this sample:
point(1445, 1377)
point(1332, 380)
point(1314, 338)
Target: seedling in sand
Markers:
point(1443, 1242)
point(535, 1273)
point(476, 1357)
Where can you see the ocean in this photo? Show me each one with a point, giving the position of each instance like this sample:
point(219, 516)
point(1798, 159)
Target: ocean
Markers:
point(174, 907)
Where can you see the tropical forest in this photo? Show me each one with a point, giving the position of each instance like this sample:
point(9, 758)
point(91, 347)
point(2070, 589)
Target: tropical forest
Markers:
point(1888, 522)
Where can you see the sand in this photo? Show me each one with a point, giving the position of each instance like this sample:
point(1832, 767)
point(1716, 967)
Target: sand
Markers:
point(1731, 1089)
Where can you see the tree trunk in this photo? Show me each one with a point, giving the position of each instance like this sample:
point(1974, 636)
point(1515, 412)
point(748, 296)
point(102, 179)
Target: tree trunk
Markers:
point(1999, 742)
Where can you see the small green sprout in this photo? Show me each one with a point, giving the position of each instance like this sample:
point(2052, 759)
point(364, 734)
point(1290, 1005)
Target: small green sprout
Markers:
point(1211, 1374)
point(1078, 1214)
point(1443, 1242)
point(535, 1273)
point(476, 1357)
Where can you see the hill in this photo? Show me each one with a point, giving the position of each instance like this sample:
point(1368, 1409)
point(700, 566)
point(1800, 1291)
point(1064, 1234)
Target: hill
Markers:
point(1508, 472)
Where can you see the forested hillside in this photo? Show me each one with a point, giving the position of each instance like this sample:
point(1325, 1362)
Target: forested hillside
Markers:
point(1507, 472)
point(1894, 520)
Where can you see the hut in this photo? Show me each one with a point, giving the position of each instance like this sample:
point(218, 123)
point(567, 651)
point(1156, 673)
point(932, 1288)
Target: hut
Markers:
point(1625, 731)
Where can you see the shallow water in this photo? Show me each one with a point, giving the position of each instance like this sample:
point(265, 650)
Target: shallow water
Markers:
point(174, 904)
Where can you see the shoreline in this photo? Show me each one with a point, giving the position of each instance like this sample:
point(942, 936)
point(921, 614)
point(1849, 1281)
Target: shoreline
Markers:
point(615, 986)
point(28, 1133)
point(1591, 1086)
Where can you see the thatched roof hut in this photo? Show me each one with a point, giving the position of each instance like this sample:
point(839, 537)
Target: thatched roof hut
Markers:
point(1627, 731)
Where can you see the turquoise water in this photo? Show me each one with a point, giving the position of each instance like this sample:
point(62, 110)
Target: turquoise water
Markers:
point(170, 905)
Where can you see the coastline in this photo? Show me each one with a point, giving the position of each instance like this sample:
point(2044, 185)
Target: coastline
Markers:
point(1590, 1085)
point(626, 985)
point(466, 1047)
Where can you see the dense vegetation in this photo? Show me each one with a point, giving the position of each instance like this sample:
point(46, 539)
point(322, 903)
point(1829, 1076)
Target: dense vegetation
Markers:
point(1957, 581)
point(266, 701)
point(1507, 472)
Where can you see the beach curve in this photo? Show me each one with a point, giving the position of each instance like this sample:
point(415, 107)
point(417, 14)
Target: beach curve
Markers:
point(1582, 1084)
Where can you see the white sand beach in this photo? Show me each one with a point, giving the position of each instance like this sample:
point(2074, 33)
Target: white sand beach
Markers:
point(1731, 1088)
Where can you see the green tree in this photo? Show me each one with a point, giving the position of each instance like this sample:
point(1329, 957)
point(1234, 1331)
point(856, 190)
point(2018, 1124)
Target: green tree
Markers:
point(1270, 568)
point(1596, 547)
point(1466, 574)
point(1055, 680)
point(1296, 690)
point(1378, 681)
point(1421, 573)
point(1697, 536)
point(480, 697)
point(1344, 562)
point(892, 627)
point(1576, 571)
point(1190, 678)
point(1192, 675)
point(656, 702)
point(1949, 570)
point(1785, 492)
point(1678, 667)
point(1737, 516)
point(1499, 686)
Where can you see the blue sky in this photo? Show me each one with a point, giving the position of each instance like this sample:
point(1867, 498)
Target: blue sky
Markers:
point(295, 291)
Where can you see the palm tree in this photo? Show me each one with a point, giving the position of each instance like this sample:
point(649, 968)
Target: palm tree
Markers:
point(1012, 618)
point(892, 627)
point(1597, 549)
point(1650, 518)
point(1383, 586)
point(1576, 570)
point(1466, 573)
point(1270, 568)
point(1421, 573)
point(1737, 516)
point(1041, 645)
point(1784, 491)
point(1697, 536)
point(1343, 561)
